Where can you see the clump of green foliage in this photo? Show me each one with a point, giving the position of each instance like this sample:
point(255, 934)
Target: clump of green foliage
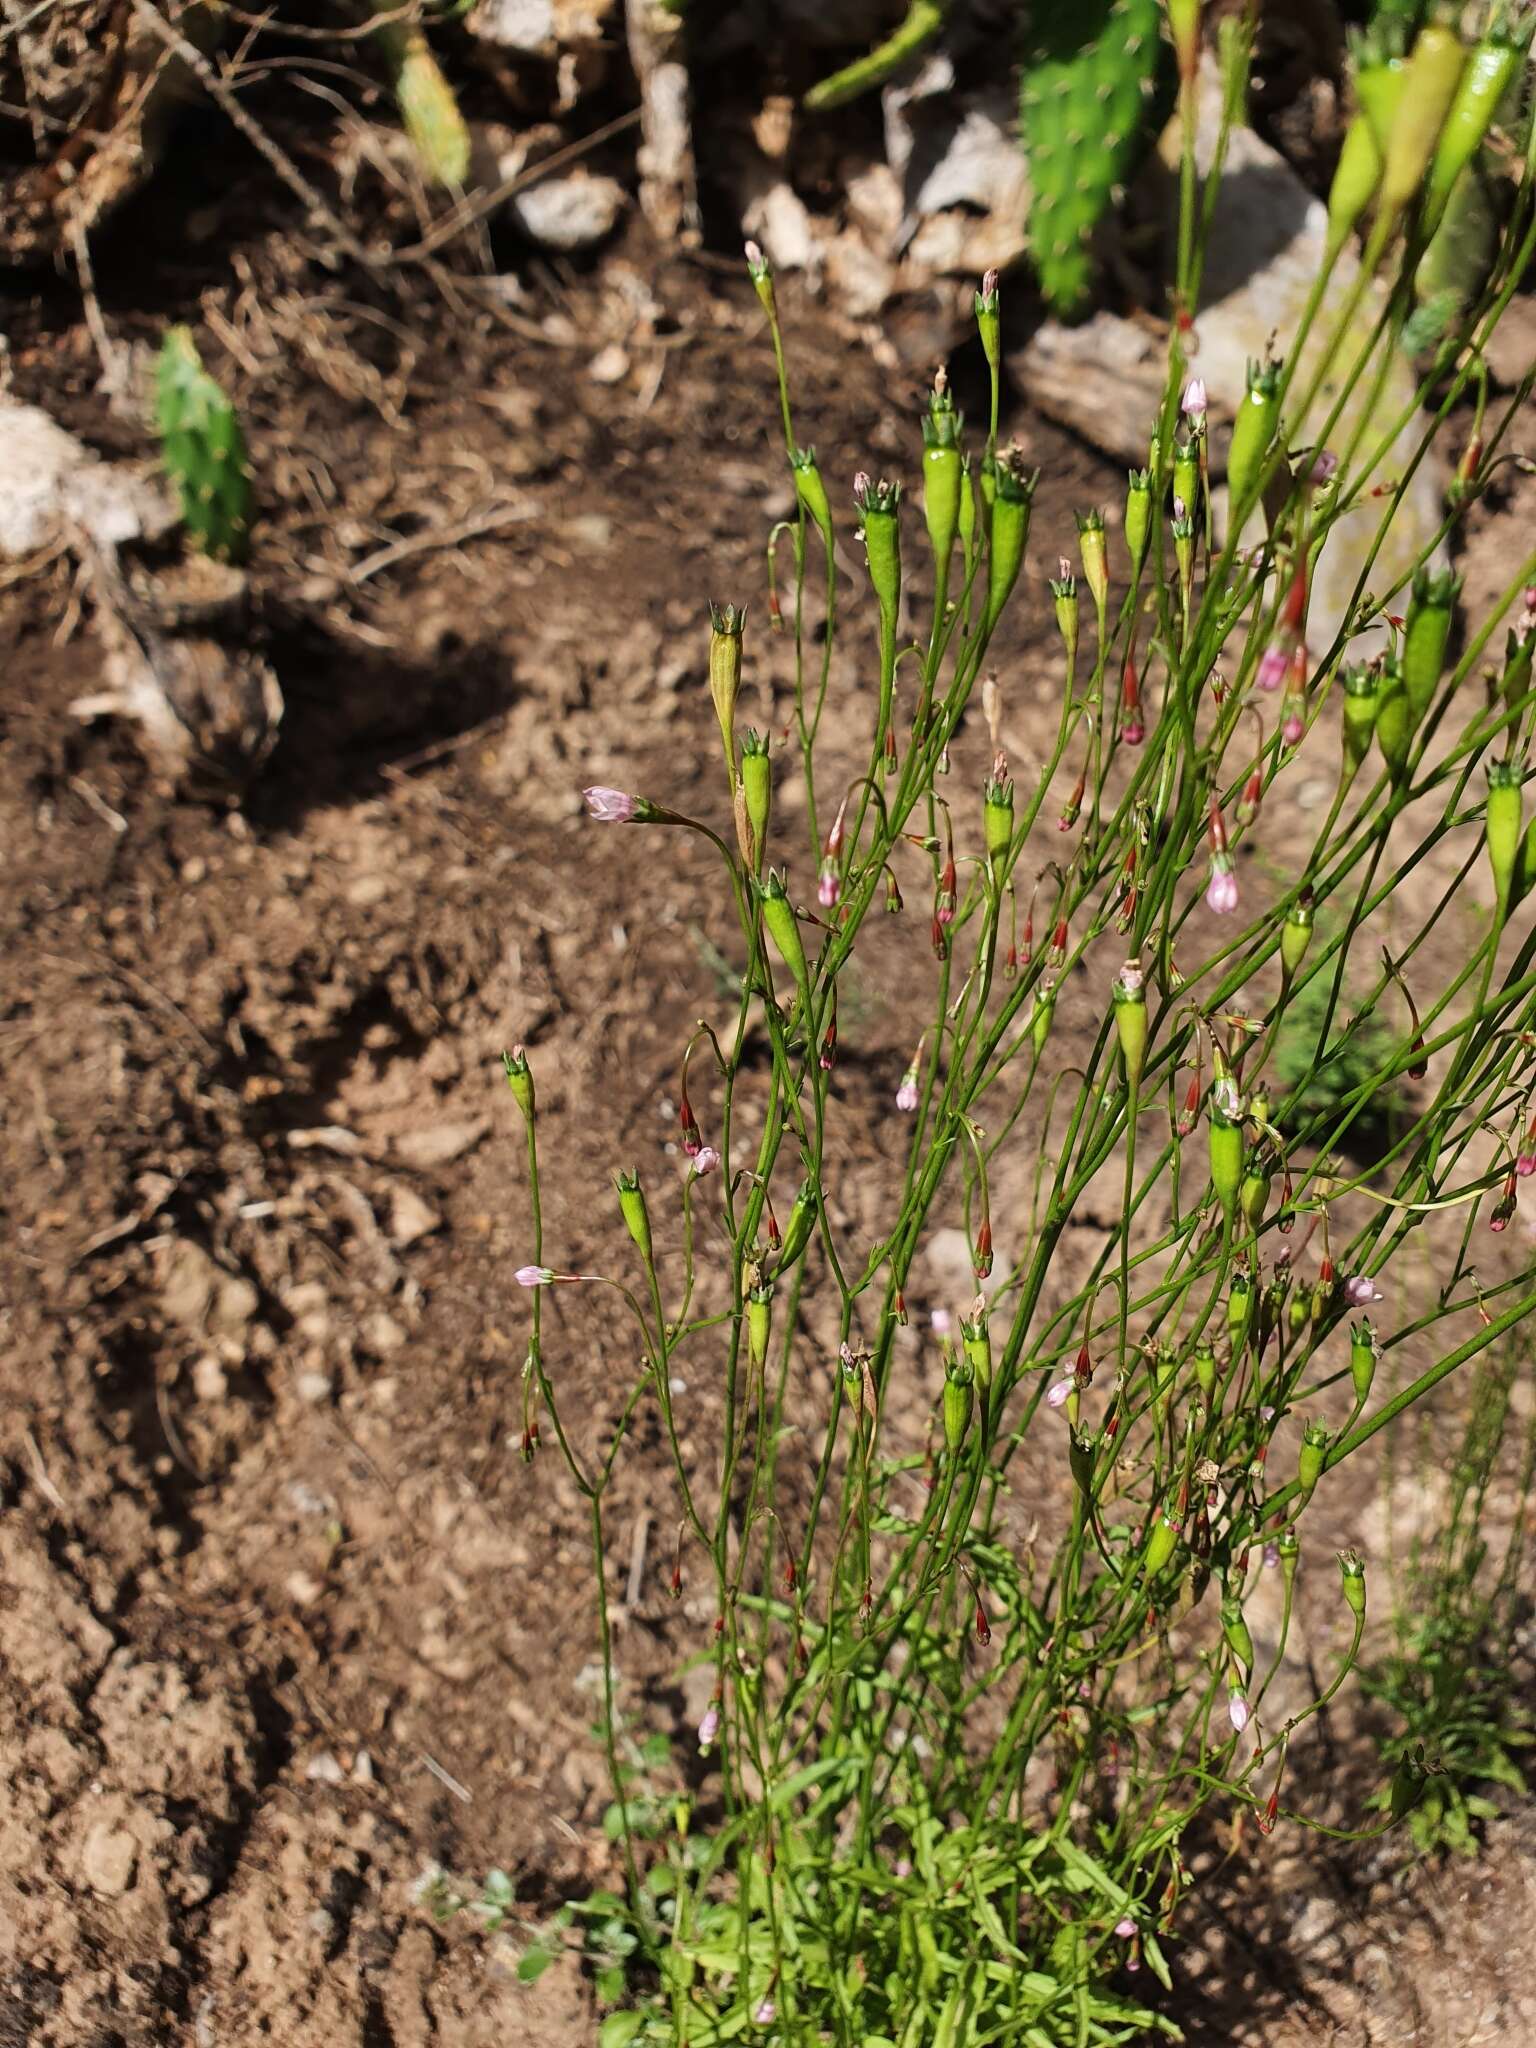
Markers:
point(1452, 1682)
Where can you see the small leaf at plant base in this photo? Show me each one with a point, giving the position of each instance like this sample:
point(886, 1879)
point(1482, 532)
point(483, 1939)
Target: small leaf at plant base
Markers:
point(619, 2029)
point(611, 1984)
point(534, 1962)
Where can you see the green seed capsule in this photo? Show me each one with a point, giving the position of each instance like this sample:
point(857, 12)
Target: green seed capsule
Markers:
point(759, 1323)
point(997, 816)
point(520, 1080)
point(941, 477)
point(1204, 1363)
point(1515, 682)
point(1434, 70)
point(1186, 477)
point(1352, 1572)
point(1239, 1309)
point(978, 1350)
point(958, 1402)
point(967, 513)
point(1253, 432)
point(636, 1216)
point(1162, 1540)
point(802, 1220)
point(1362, 1359)
point(1253, 1198)
point(1090, 543)
point(1226, 1149)
point(1504, 826)
point(1430, 612)
point(878, 506)
point(1309, 1462)
point(1064, 594)
point(1299, 1314)
point(1235, 1629)
point(1379, 89)
point(1296, 936)
point(1130, 999)
point(1040, 1019)
point(1010, 532)
point(989, 320)
point(811, 490)
point(1395, 721)
point(1289, 1547)
point(783, 927)
point(1361, 686)
point(756, 792)
point(726, 622)
point(1138, 518)
point(1354, 181)
point(1080, 1458)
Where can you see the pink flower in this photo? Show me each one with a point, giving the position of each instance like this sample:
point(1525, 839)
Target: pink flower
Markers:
point(1324, 465)
point(705, 1160)
point(533, 1276)
point(1293, 728)
point(829, 884)
point(1525, 1165)
point(1271, 1556)
point(942, 1322)
point(1221, 891)
point(709, 1727)
point(611, 806)
point(1056, 1395)
point(902, 1867)
point(754, 255)
point(1360, 1291)
point(988, 283)
point(763, 2013)
point(1237, 1710)
point(1273, 664)
point(1192, 404)
point(906, 1094)
point(1125, 1927)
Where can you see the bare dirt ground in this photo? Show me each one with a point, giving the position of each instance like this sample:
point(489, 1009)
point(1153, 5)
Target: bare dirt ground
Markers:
point(285, 1617)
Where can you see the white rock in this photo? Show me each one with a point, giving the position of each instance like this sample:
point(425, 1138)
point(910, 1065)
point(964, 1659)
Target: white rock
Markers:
point(438, 1144)
point(571, 212)
point(53, 482)
point(610, 365)
point(313, 1387)
point(516, 24)
point(108, 1858)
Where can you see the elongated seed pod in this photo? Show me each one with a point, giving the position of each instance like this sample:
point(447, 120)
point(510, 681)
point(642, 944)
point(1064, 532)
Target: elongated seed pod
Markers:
point(1430, 611)
point(1481, 87)
point(1354, 181)
point(1434, 70)
point(1253, 431)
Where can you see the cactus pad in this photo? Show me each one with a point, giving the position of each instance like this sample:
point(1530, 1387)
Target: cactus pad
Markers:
point(203, 448)
point(429, 110)
point(1088, 72)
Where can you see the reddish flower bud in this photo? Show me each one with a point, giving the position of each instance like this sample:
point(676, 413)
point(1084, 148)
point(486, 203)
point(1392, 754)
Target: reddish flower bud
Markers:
point(982, 1262)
